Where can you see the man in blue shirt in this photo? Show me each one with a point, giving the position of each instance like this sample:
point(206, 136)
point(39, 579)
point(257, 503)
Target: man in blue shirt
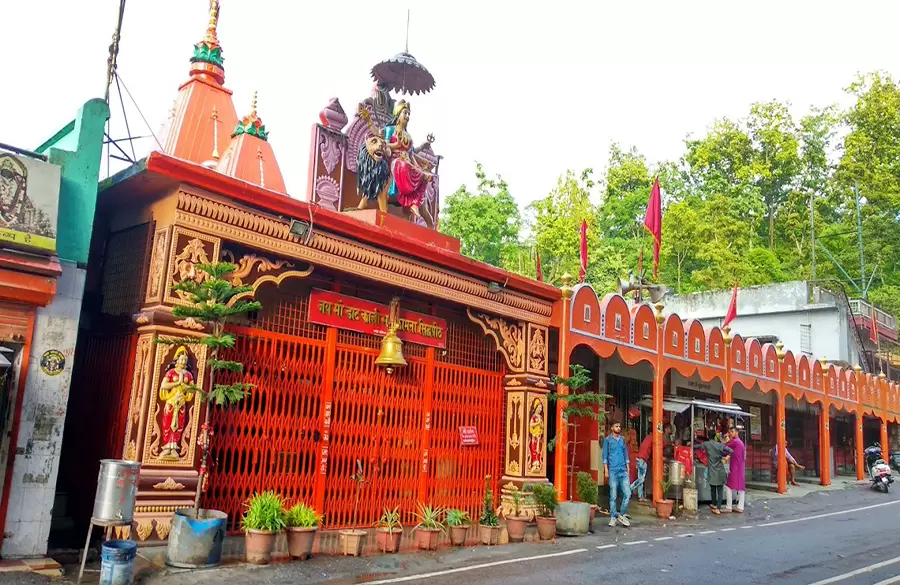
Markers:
point(615, 462)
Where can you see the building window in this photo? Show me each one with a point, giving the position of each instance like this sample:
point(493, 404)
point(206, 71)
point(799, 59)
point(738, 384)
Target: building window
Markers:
point(618, 322)
point(806, 339)
point(587, 313)
point(716, 351)
point(674, 339)
point(738, 356)
point(696, 346)
point(646, 331)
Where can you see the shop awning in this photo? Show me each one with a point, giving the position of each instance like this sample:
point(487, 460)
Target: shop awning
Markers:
point(679, 405)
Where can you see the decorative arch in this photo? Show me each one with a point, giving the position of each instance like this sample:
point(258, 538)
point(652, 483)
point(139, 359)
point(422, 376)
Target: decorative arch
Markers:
point(754, 357)
point(643, 325)
point(616, 320)
point(804, 372)
point(791, 372)
point(738, 354)
point(585, 312)
point(817, 375)
point(716, 345)
point(852, 387)
point(696, 341)
point(673, 337)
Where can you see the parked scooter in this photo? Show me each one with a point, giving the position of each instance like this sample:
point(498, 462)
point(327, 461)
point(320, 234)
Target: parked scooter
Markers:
point(879, 470)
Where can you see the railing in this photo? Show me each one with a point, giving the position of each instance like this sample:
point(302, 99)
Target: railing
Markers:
point(861, 308)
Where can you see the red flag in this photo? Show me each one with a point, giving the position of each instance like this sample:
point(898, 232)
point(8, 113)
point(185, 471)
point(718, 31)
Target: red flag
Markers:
point(653, 223)
point(537, 265)
point(873, 329)
point(583, 271)
point(732, 307)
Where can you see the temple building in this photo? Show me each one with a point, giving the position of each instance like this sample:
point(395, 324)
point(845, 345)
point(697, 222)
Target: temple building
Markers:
point(480, 345)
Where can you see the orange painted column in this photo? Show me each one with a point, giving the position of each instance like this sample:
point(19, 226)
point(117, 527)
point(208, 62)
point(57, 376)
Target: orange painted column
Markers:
point(426, 426)
point(560, 472)
point(658, 383)
point(780, 429)
point(825, 431)
point(883, 389)
point(860, 448)
point(327, 402)
point(725, 397)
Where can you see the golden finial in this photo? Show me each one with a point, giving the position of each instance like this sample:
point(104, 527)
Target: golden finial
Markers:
point(823, 362)
point(779, 351)
point(857, 369)
point(881, 375)
point(659, 313)
point(566, 287)
point(213, 22)
point(726, 335)
point(253, 105)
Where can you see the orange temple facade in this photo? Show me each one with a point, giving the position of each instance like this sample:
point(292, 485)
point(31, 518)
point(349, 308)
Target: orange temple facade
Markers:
point(489, 341)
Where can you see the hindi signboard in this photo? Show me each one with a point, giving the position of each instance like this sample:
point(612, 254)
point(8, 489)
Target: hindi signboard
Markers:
point(345, 312)
point(468, 436)
point(29, 203)
point(755, 423)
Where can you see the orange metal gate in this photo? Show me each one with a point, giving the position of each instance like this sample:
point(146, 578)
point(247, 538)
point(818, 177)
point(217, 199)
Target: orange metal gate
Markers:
point(272, 439)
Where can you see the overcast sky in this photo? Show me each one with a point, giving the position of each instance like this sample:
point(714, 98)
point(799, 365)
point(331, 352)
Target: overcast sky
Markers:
point(527, 92)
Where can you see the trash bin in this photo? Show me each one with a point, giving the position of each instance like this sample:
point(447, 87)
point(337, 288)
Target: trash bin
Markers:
point(117, 562)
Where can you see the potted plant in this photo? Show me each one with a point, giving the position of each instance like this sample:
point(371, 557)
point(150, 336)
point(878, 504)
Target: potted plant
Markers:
point(352, 538)
point(458, 521)
point(489, 523)
point(516, 523)
point(197, 536)
point(588, 491)
point(664, 506)
point(302, 522)
point(545, 499)
point(429, 527)
point(261, 523)
point(574, 518)
point(388, 531)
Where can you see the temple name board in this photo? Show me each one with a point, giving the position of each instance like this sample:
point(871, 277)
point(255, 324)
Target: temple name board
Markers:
point(29, 202)
point(345, 312)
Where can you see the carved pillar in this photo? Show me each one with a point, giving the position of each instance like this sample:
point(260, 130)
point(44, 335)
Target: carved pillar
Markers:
point(780, 428)
point(524, 347)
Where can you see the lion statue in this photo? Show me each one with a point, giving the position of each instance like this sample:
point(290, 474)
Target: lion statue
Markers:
point(373, 173)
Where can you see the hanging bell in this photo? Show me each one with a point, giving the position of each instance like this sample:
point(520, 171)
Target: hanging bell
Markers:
point(391, 355)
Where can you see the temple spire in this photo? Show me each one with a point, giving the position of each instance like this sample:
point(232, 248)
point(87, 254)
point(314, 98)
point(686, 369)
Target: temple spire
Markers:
point(213, 22)
point(207, 60)
point(252, 124)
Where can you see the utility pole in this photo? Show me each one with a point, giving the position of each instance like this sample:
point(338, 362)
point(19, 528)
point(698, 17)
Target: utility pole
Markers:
point(859, 238)
point(812, 232)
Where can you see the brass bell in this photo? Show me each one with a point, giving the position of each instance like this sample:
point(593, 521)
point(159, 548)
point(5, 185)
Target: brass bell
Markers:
point(391, 355)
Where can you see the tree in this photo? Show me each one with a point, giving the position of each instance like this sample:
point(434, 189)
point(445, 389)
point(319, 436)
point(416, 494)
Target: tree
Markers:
point(486, 222)
point(209, 297)
point(681, 224)
point(627, 189)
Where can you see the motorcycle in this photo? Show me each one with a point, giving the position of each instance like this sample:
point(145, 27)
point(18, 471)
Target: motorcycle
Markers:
point(879, 470)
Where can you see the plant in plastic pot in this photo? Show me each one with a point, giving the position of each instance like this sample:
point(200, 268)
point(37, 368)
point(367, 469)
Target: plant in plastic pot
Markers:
point(429, 528)
point(588, 491)
point(516, 523)
point(458, 522)
point(302, 523)
point(488, 523)
point(664, 506)
point(389, 531)
point(261, 523)
point(196, 536)
point(581, 403)
point(352, 538)
point(546, 500)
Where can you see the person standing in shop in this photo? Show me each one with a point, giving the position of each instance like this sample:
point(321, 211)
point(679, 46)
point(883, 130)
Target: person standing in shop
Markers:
point(735, 484)
point(715, 468)
point(615, 463)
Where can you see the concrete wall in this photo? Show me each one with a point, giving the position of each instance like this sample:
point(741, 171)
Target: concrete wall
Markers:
point(44, 402)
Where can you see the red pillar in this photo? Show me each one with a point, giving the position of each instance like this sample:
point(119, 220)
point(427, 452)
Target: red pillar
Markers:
point(725, 396)
point(883, 389)
point(325, 418)
point(426, 425)
point(658, 382)
point(561, 471)
point(780, 430)
point(825, 431)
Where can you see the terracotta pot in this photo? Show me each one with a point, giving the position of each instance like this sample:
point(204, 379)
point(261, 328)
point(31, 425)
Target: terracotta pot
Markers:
point(352, 542)
point(388, 542)
point(458, 535)
point(489, 534)
point(664, 508)
point(427, 539)
point(515, 527)
point(593, 513)
point(300, 542)
point(258, 546)
point(546, 527)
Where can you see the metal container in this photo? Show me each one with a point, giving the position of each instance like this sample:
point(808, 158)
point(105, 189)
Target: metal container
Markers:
point(116, 491)
point(196, 543)
point(676, 473)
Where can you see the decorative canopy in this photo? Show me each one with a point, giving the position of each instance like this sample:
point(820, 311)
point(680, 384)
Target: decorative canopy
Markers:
point(402, 73)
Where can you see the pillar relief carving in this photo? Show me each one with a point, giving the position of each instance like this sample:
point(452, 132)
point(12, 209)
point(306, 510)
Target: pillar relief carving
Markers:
point(187, 250)
point(509, 337)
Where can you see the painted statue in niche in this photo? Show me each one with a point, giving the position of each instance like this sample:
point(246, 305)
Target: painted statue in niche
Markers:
point(387, 165)
point(176, 390)
point(536, 435)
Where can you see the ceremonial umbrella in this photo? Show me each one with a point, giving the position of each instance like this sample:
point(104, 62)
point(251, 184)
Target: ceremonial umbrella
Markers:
point(402, 73)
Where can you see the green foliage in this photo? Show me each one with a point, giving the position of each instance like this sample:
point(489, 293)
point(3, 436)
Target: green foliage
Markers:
point(488, 512)
point(519, 499)
point(390, 520)
point(302, 516)
point(545, 497)
point(486, 222)
point(456, 517)
point(580, 401)
point(429, 518)
point(587, 488)
point(665, 484)
point(264, 511)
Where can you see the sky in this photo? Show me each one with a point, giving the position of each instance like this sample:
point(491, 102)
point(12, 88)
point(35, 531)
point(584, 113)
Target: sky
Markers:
point(528, 90)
